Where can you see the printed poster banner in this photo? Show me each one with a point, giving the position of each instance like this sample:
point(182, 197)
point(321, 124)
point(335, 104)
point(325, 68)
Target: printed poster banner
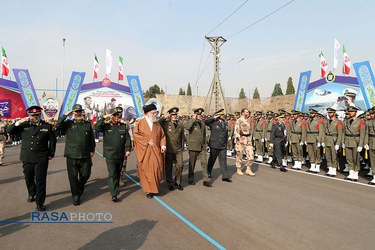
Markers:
point(72, 92)
point(136, 90)
point(366, 81)
point(304, 80)
point(26, 87)
point(51, 106)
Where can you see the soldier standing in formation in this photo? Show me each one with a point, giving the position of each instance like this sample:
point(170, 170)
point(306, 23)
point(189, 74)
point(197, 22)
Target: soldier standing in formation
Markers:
point(332, 141)
point(174, 132)
point(370, 145)
point(315, 132)
point(218, 143)
point(269, 122)
point(38, 148)
point(243, 134)
point(3, 137)
point(278, 141)
point(231, 124)
point(79, 149)
point(259, 134)
point(197, 146)
point(116, 146)
point(297, 138)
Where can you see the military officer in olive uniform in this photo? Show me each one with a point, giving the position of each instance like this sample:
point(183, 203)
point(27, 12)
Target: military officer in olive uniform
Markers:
point(370, 145)
point(130, 131)
point(3, 137)
point(243, 134)
point(269, 122)
point(231, 124)
point(116, 146)
point(174, 132)
point(218, 143)
point(79, 149)
point(315, 133)
point(197, 146)
point(353, 142)
point(259, 134)
point(332, 140)
point(38, 147)
point(278, 141)
point(297, 138)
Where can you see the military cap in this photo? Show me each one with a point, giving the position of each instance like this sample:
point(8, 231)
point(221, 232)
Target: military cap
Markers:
point(353, 109)
point(361, 116)
point(305, 114)
point(258, 113)
point(281, 115)
point(281, 111)
point(148, 108)
point(294, 112)
point(350, 92)
point(237, 113)
point(269, 113)
point(198, 111)
point(287, 114)
point(173, 111)
point(368, 113)
point(331, 110)
point(113, 111)
point(77, 107)
point(372, 111)
point(34, 110)
point(313, 111)
point(219, 112)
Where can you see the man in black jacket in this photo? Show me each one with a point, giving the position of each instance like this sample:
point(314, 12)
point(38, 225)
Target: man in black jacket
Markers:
point(218, 143)
point(278, 141)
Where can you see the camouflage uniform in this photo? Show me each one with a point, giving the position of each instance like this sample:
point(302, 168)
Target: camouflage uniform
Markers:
point(243, 130)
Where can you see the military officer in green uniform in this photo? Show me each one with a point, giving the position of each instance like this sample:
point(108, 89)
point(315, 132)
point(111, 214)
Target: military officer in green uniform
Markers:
point(332, 141)
point(174, 132)
point(38, 147)
point(116, 146)
point(259, 135)
point(353, 142)
point(297, 138)
point(231, 125)
point(370, 145)
point(197, 146)
point(269, 122)
point(315, 133)
point(79, 149)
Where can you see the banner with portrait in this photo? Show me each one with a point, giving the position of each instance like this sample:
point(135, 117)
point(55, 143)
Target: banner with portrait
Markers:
point(51, 106)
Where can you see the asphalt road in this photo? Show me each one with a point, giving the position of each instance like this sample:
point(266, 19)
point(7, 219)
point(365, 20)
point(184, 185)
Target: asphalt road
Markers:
point(273, 210)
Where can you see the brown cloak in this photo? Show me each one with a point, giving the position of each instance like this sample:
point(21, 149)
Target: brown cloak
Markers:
point(150, 159)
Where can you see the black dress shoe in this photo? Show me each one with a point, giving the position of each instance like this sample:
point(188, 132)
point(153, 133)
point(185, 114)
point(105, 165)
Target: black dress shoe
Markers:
point(192, 182)
point(226, 179)
point(149, 195)
point(31, 199)
point(41, 207)
point(282, 169)
point(114, 198)
point(171, 188)
point(348, 179)
point(179, 187)
point(76, 202)
point(207, 184)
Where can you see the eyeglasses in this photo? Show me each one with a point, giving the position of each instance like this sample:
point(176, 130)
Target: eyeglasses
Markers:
point(116, 114)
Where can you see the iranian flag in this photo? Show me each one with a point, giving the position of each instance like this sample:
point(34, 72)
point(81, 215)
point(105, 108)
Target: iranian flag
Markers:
point(96, 67)
point(347, 64)
point(323, 64)
point(120, 69)
point(5, 64)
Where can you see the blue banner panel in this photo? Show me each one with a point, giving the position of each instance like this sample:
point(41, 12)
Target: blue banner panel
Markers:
point(72, 92)
point(26, 87)
point(366, 81)
point(136, 90)
point(304, 80)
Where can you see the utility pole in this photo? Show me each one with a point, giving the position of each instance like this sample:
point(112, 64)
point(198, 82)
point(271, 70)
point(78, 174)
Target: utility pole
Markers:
point(215, 89)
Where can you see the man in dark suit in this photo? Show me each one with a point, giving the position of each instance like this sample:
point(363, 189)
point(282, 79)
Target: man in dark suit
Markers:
point(218, 143)
point(278, 141)
point(38, 147)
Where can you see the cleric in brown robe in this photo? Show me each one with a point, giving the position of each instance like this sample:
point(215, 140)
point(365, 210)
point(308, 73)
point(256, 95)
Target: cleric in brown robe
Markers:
point(149, 142)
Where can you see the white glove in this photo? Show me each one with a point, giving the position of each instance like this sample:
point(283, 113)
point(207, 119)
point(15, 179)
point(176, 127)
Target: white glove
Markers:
point(359, 149)
point(323, 145)
point(337, 147)
point(229, 138)
point(366, 147)
point(305, 143)
point(318, 144)
point(271, 145)
point(286, 144)
point(343, 145)
point(301, 143)
point(265, 139)
point(262, 140)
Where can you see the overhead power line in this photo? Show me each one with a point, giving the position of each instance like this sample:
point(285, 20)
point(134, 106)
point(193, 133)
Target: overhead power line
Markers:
point(270, 14)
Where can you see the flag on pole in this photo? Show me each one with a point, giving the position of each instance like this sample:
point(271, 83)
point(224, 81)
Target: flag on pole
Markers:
point(323, 64)
point(4, 63)
point(120, 69)
point(347, 64)
point(96, 67)
point(336, 49)
point(108, 61)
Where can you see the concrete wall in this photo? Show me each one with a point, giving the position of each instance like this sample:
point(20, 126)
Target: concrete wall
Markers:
point(186, 104)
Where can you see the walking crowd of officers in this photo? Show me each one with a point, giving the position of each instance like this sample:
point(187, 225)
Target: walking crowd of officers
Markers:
point(273, 138)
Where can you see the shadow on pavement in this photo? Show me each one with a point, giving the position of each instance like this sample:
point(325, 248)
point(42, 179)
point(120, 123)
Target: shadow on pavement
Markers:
point(18, 178)
point(125, 237)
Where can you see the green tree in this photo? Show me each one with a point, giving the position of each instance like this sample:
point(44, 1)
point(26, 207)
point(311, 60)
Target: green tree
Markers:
point(290, 88)
point(188, 91)
point(256, 94)
point(152, 91)
point(181, 92)
point(277, 90)
point(242, 94)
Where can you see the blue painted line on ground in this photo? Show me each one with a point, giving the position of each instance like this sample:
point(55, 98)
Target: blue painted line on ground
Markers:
point(178, 215)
